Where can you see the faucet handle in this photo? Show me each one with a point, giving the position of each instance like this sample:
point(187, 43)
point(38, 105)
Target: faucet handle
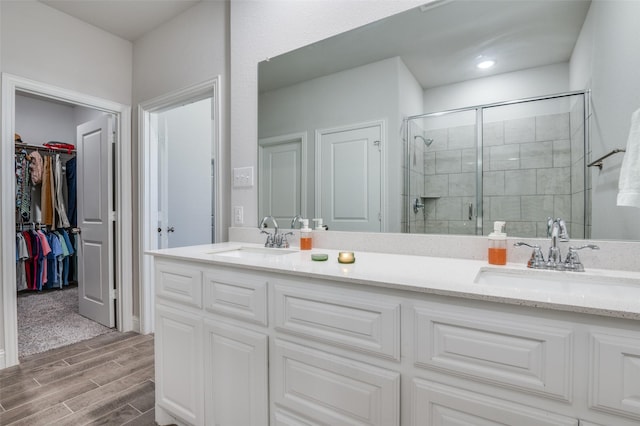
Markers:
point(536, 261)
point(572, 261)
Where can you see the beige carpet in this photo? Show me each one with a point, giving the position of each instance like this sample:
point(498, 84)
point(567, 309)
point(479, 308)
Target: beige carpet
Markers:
point(50, 319)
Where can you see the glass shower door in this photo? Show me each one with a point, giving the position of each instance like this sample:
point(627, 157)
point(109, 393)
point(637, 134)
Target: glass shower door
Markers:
point(442, 173)
point(533, 165)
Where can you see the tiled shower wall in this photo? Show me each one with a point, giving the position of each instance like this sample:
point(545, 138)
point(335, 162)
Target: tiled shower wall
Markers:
point(532, 168)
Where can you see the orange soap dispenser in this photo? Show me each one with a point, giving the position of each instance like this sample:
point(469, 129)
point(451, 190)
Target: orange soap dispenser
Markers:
point(305, 235)
point(498, 244)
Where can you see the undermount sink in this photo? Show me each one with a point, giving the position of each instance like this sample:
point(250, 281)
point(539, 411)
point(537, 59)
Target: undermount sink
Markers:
point(576, 283)
point(252, 252)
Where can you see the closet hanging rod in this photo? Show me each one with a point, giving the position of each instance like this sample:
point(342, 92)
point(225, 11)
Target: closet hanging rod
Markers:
point(598, 162)
point(20, 145)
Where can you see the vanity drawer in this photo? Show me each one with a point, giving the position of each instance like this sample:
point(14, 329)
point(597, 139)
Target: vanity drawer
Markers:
point(528, 354)
point(615, 372)
point(236, 294)
point(351, 319)
point(179, 282)
point(332, 390)
point(438, 404)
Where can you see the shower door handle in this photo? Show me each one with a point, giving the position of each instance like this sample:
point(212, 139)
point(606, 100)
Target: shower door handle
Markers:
point(470, 211)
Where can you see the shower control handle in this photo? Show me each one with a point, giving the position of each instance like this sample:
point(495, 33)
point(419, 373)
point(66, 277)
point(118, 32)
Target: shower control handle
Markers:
point(417, 205)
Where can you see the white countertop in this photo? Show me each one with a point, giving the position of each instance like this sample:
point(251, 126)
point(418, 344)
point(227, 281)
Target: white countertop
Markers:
point(601, 292)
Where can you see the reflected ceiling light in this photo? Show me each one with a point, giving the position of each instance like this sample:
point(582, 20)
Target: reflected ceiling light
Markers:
point(488, 63)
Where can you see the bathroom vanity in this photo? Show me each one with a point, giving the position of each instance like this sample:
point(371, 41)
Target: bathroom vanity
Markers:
point(253, 336)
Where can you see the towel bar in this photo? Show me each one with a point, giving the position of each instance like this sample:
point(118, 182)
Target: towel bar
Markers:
point(598, 162)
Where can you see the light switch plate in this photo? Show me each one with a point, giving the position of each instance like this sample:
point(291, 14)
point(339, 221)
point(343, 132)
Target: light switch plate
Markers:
point(243, 177)
point(238, 215)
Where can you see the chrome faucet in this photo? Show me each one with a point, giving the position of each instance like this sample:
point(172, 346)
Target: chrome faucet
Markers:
point(271, 238)
point(556, 229)
point(276, 239)
point(296, 219)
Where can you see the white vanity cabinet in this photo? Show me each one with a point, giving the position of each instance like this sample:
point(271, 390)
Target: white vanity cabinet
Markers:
point(211, 359)
point(240, 346)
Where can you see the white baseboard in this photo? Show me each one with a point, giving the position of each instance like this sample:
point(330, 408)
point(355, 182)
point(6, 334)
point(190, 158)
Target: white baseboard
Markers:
point(135, 324)
point(3, 360)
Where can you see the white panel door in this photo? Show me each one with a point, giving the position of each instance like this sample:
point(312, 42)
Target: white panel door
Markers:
point(280, 181)
point(95, 206)
point(349, 170)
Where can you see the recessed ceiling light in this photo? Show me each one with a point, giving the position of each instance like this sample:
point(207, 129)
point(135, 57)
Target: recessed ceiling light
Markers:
point(486, 64)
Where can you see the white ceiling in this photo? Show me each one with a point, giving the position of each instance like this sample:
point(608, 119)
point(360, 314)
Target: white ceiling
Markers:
point(440, 44)
point(128, 19)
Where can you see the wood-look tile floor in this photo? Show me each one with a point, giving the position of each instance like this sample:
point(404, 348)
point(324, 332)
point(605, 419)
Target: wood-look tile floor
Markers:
point(107, 380)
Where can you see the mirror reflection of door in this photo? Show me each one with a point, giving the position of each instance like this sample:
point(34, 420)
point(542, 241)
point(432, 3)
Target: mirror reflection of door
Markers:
point(282, 181)
point(348, 178)
point(184, 184)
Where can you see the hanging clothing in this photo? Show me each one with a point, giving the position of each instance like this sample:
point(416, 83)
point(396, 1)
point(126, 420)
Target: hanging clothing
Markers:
point(47, 194)
point(72, 213)
point(53, 276)
point(36, 167)
point(63, 222)
point(22, 254)
point(23, 188)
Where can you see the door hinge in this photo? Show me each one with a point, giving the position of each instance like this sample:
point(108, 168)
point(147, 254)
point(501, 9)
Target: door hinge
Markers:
point(114, 137)
point(378, 144)
point(114, 294)
point(379, 217)
point(113, 216)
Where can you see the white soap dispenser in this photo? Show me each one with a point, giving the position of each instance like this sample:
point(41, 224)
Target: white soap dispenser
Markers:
point(498, 244)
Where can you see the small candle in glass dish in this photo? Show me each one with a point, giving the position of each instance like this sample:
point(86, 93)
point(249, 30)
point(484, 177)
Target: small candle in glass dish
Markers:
point(346, 257)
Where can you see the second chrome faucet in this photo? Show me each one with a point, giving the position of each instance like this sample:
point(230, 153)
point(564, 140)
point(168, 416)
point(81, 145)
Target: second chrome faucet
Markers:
point(556, 231)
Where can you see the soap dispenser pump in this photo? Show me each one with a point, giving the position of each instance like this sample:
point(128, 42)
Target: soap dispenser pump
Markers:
point(498, 244)
point(305, 235)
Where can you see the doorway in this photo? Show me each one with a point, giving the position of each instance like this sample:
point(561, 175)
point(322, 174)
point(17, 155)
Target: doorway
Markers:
point(179, 176)
point(116, 289)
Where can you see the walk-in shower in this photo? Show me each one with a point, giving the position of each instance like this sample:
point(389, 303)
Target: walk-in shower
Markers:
point(519, 161)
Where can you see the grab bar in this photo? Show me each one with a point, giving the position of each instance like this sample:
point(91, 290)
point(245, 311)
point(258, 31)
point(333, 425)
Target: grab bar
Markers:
point(598, 162)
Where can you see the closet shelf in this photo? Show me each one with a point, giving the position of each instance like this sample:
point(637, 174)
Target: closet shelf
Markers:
point(20, 145)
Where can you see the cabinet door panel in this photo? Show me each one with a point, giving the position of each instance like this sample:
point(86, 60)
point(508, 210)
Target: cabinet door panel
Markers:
point(178, 364)
point(615, 373)
point(235, 370)
point(330, 389)
point(435, 404)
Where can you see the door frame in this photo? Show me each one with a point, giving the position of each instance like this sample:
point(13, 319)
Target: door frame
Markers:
point(123, 174)
point(384, 205)
point(147, 152)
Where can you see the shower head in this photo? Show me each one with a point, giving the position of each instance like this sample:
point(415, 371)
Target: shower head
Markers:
point(426, 141)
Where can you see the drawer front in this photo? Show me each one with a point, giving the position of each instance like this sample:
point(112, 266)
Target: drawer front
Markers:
point(333, 390)
point(179, 282)
point(236, 294)
point(345, 318)
point(438, 404)
point(615, 373)
point(497, 348)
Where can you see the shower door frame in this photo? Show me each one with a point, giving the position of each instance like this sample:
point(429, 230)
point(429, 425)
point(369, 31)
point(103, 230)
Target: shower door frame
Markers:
point(479, 145)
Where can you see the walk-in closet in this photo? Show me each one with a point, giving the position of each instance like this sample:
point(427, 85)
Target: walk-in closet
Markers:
point(53, 177)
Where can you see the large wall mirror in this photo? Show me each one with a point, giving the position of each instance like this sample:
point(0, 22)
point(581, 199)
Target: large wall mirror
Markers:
point(393, 127)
